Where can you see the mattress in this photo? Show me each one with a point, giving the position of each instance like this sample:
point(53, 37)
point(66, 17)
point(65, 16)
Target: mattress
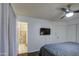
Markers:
point(60, 49)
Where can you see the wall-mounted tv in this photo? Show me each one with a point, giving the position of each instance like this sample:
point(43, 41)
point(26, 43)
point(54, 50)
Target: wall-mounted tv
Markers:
point(44, 31)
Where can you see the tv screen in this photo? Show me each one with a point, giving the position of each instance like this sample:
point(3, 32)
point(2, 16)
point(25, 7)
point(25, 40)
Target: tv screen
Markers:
point(44, 31)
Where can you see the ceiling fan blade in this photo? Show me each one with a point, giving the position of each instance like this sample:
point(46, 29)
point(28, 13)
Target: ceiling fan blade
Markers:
point(69, 6)
point(63, 9)
point(77, 11)
point(62, 17)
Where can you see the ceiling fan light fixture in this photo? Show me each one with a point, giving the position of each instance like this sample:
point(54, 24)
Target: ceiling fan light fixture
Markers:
point(67, 10)
point(70, 14)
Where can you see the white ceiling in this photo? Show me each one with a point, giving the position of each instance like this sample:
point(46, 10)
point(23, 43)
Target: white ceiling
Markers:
point(48, 11)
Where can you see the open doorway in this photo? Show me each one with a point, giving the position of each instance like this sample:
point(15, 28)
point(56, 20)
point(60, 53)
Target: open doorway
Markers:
point(22, 37)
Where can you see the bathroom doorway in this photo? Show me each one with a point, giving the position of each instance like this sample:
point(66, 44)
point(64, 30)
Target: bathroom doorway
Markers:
point(22, 37)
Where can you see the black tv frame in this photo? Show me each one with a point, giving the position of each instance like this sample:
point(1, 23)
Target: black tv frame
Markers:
point(45, 31)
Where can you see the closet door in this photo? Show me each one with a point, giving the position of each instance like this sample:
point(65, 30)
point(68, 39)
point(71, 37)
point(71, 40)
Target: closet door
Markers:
point(3, 29)
point(0, 28)
point(71, 33)
point(78, 33)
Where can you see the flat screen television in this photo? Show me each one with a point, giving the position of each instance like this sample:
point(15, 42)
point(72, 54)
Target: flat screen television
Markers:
point(44, 31)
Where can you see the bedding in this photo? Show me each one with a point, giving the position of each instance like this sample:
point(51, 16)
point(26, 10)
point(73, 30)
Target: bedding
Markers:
point(60, 49)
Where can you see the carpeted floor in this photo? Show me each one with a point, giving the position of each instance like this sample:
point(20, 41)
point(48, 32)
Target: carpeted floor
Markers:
point(30, 54)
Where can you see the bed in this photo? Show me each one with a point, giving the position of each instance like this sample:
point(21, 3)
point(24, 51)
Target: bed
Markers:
point(60, 49)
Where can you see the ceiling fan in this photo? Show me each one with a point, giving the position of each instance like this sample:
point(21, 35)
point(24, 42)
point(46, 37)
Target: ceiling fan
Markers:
point(68, 12)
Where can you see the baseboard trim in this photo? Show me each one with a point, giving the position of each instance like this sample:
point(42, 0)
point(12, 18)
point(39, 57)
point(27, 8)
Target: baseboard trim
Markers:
point(35, 53)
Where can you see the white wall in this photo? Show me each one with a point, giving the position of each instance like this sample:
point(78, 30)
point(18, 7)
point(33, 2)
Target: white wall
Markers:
point(77, 33)
point(12, 32)
point(73, 21)
point(35, 40)
point(71, 33)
